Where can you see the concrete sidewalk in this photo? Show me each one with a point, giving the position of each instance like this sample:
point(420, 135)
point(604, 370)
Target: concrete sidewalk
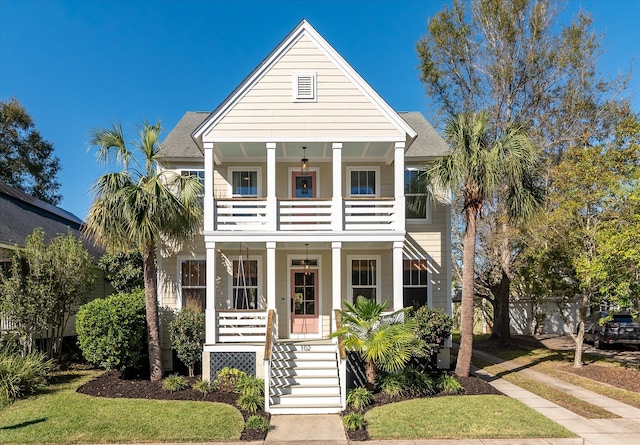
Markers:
point(622, 431)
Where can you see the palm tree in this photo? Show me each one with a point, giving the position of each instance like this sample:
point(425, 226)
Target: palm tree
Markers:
point(139, 207)
point(384, 341)
point(480, 171)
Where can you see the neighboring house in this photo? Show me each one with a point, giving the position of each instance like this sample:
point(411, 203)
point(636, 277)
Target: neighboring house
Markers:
point(305, 169)
point(20, 214)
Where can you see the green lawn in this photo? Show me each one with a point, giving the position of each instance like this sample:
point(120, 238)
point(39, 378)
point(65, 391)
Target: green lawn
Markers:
point(460, 417)
point(61, 415)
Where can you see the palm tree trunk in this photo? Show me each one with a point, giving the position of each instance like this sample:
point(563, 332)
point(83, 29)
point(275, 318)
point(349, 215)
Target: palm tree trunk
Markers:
point(505, 285)
point(370, 372)
point(151, 299)
point(463, 365)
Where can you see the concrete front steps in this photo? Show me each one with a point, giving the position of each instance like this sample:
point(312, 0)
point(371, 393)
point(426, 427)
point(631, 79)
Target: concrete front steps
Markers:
point(304, 379)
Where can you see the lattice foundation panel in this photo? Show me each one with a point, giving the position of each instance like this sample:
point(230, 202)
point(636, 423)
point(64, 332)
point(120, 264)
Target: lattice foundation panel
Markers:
point(355, 371)
point(244, 361)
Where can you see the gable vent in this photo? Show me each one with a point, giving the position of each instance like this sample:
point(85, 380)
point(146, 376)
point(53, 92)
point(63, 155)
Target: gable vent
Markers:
point(304, 87)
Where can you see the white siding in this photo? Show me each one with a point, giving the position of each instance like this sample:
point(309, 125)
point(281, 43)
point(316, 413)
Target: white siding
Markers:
point(268, 109)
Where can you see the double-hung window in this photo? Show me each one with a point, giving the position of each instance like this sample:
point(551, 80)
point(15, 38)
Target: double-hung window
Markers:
point(416, 283)
point(418, 207)
point(364, 278)
point(193, 284)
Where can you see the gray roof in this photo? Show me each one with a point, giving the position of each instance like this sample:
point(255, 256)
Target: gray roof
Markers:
point(21, 213)
point(179, 143)
point(428, 143)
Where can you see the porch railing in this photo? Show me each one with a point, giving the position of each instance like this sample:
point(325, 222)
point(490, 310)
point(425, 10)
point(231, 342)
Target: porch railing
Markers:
point(240, 214)
point(242, 326)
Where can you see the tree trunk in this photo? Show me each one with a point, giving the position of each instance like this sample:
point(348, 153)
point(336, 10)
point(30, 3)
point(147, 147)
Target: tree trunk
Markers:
point(504, 288)
point(463, 365)
point(579, 338)
point(370, 372)
point(151, 298)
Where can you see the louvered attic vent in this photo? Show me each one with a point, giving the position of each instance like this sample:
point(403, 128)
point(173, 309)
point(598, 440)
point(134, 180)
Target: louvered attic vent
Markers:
point(304, 87)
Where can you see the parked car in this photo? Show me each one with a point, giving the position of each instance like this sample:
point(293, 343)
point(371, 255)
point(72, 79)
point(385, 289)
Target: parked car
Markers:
point(620, 330)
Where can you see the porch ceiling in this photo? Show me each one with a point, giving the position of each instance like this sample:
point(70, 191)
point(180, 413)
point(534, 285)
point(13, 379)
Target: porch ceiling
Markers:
point(292, 151)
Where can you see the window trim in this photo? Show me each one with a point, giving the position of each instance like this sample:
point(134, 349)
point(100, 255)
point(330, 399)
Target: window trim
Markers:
point(428, 285)
point(378, 285)
point(295, 90)
point(365, 168)
point(250, 168)
point(427, 216)
point(181, 259)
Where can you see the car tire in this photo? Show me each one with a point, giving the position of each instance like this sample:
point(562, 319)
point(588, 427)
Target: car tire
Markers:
point(597, 343)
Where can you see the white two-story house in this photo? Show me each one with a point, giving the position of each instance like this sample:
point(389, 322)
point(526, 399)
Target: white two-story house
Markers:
point(305, 170)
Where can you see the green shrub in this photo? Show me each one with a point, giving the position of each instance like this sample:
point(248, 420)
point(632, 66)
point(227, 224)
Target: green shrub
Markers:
point(251, 402)
point(392, 385)
point(359, 397)
point(174, 382)
point(448, 384)
point(112, 331)
point(406, 382)
point(21, 375)
point(227, 379)
point(257, 422)
point(249, 384)
point(434, 328)
point(354, 421)
point(203, 386)
point(187, 332)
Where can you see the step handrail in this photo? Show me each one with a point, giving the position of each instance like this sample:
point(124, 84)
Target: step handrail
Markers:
point(341, 349)
point(269, 337)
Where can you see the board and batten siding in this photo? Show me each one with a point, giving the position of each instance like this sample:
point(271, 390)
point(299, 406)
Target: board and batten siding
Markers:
point(268, 109)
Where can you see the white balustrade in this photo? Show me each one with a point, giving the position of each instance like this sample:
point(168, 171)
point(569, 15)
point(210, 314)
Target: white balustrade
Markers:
point(242, 326)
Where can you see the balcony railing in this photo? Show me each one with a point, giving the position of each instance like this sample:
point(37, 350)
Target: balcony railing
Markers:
point(360, 214)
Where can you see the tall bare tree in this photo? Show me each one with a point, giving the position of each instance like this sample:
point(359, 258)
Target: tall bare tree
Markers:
point(513, 59)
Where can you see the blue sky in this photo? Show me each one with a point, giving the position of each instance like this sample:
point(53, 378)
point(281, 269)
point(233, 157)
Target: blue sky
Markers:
point(80, 64)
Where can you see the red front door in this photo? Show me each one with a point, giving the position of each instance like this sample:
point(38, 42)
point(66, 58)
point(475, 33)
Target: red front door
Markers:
point(304, 302)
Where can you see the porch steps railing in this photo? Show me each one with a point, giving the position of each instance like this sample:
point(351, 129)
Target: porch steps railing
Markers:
point(303, 379)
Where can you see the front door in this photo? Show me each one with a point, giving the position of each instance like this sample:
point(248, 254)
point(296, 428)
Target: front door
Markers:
point(304, 302)
point(303, 185)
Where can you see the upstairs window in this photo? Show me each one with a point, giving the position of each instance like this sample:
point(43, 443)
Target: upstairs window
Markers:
point(245, 182)
point(415, 195)
point(304, 87)
point(197, 173)
point(363, 182)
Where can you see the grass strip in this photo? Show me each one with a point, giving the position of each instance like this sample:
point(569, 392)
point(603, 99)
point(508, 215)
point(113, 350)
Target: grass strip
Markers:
point(61, 415)
point(460, 417)
point(549, 361)
point(560, 398)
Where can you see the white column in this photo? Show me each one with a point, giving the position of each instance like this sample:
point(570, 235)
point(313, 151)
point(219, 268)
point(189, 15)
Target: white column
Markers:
point(271, 274)
point(336, 278)
point(209, 202)
point(398, 185)
point(336, 202)
point(210, 313)
point(397, 275)
point(272, 204)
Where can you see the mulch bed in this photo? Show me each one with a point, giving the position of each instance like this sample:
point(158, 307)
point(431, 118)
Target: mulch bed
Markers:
point(111, 384)
point(624, 378)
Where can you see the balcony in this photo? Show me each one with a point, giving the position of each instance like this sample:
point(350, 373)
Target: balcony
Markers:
point(253, 214)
